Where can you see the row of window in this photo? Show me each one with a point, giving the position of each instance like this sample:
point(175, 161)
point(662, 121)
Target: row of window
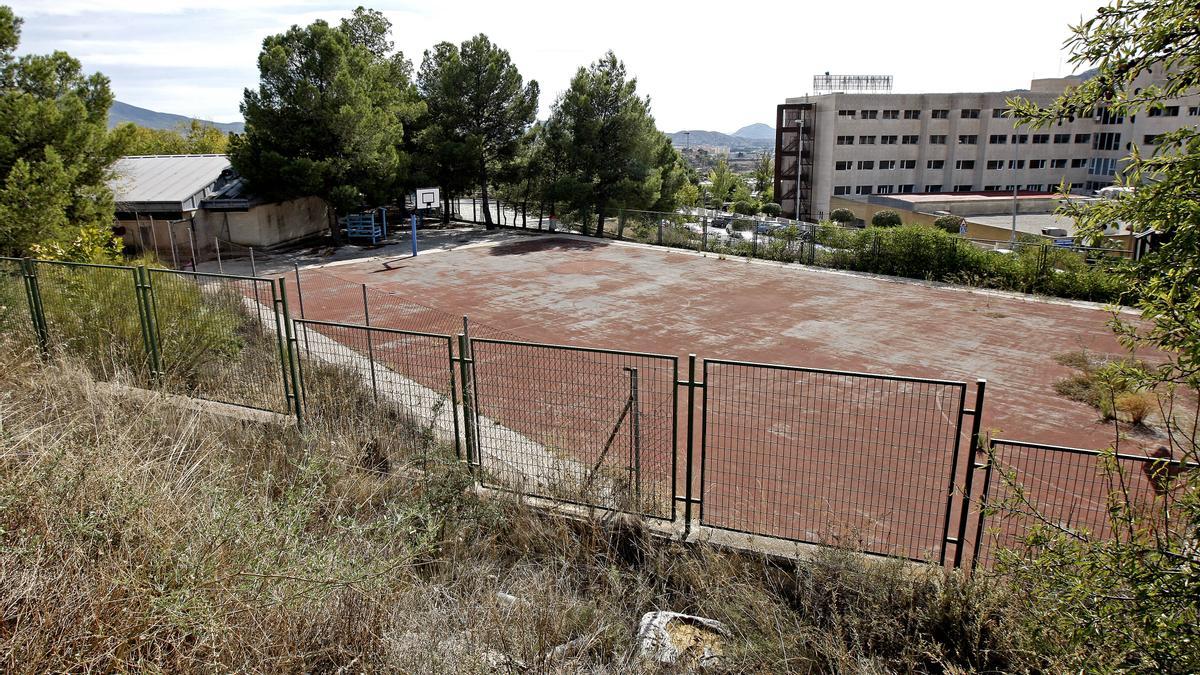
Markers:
point(992, 164)
point(973, 139)
point(939, 114)
point(910, 188)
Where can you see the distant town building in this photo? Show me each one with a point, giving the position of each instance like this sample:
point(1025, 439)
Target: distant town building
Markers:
point(858, 144)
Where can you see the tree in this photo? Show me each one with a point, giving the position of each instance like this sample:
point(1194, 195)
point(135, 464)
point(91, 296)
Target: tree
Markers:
point(771, 209)
point(1129, 603)
point(723, 181)
point(614, 155)
point(886, 218)
point(479, 111)
point(688, 195)
point(745, 208)
point(328, 116)
point(56, 152)
point(948, 223)
point(842, 216)
point(194, 138)
point(764, 174)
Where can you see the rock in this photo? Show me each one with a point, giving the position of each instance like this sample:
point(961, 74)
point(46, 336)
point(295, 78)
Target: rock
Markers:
point(671, 638)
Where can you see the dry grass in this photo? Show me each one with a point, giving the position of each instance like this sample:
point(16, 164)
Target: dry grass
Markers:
point(136, 536)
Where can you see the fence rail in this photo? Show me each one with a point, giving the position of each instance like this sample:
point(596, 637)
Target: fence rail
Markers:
point(881, 463)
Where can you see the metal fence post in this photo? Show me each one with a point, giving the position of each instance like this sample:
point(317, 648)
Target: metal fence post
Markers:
point(635, 438)
point(754, 244)
point(983, 504)
point(965, 508)
point(144, 293)
point(660, 229)
point(370, 344)
point(690, 444)
point(464, 362)
point(704, 233)
point(291, 355)
point(37, 316)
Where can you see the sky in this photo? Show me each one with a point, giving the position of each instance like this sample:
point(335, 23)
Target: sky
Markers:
point(705, 65)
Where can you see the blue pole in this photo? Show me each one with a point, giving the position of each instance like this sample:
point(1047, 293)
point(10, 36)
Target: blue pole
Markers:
point(384, 210)
point(413, 220)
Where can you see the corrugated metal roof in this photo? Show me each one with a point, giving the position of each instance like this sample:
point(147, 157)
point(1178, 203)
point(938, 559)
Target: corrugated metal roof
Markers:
point(164, 178)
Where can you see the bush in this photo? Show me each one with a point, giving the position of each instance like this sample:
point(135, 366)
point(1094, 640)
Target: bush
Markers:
point(949, 224)
point(887, 218)
point(842, 216)
point(745, 208)
point(772, 209)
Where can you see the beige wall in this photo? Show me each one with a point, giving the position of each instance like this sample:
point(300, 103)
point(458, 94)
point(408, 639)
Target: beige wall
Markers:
point(262, 226)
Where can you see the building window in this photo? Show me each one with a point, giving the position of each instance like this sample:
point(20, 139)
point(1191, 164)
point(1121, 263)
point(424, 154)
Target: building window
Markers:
point(841, 189)
point(891, 114)
point(968, 139)
point(997, 113)
point(1037, 163)
point(1034, 187)
point(965, 164)
point(1083, 138)
point(845, 140)
point(970, 113)
point(940, 114)
point(1165, 111)
point(910, 140)
point(1062, 138)
point(933, 188)
point(869, 114)
point(998, 139)
point(1194, 110)
point(935, 164)
point(884, 189)
point(1106, 116)
point(866, 140)
point(1016, 164)
point(994, 164)
point(842, 166)
point(1020, 138)
point(888, 140)
point(991, 188)
point(887, 164)
point(1103, 166)
point(938, 139)
point(862, 190)
point(847, 113)
point(1076, 186)
point(908, 164)
point(912, 114)
point(906, 189)
point(1078, 163)
point(1150, 139)
point(1041, 138)
point(1106, 141)
point(1058, 164)
point(962, 188)
point(866, 165)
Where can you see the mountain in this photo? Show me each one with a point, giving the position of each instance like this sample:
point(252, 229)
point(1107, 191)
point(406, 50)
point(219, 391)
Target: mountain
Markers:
point(698, 138)
point(123, 112)
point(756, 130)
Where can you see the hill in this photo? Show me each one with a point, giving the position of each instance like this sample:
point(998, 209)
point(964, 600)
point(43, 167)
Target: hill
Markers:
point(696, 137)
point(123, 112)
point(756, 130)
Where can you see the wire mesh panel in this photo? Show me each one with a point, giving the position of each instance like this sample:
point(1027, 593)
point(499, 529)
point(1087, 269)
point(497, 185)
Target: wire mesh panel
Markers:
point(1068, 491)
point(94, 313)
point(394, 388)
point(219, 338)
point(830, 457)
point(589, 426)
point(15, 320)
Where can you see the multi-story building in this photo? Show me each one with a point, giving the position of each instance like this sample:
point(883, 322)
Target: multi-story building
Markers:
point(883, 143)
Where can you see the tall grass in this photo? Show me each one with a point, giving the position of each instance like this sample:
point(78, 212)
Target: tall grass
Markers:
point(138, 536)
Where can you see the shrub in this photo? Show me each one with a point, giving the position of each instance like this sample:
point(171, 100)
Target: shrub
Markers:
point(745, 208)
point(886, 218)
point(948, 223)
point(771, 209)
point(1135, 406)
point(842, 216)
